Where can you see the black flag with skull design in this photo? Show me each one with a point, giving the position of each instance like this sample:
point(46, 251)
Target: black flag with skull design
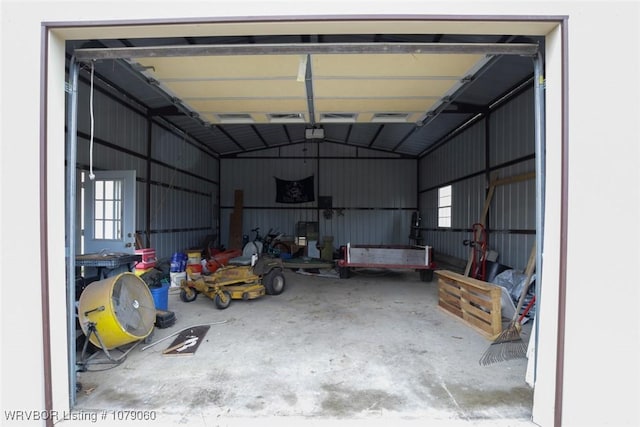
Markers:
point(299, 191)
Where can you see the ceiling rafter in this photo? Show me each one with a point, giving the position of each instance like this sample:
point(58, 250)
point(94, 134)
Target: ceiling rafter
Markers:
point(375, 136)
point(231, 138)
point(259, 135)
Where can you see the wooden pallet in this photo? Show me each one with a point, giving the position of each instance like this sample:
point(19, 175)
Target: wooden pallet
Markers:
point(475, 302)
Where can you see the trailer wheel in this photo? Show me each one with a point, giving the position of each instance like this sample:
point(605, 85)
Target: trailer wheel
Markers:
point(426, 275)
point(220, 303)
point(343, 272)
point(188, 295)
point(273, 282)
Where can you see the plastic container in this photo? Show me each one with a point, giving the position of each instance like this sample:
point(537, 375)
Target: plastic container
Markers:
point(160, 296)
point(178, 262)
point(177, 278)
point(148, 258)
point(194, 270)
point(194, 257)
point(140, 271)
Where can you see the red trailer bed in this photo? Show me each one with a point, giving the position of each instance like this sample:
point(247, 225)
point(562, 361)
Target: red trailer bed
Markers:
point(388, 256)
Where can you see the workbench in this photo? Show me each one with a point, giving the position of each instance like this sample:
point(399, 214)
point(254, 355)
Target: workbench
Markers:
point(106, 262)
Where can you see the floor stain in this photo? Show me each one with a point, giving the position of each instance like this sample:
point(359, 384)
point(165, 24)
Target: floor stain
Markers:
point(256, 405)
point(129, 400)
point(206, 396)
point(219, 376)
point(344, 401)
point(474, 401)
point(290, 398)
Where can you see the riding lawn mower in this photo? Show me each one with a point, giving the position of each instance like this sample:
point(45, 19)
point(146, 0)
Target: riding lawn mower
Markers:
point(244, 278)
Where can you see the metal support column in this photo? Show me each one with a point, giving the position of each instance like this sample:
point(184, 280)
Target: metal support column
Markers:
point(539, 108)
point(72, 143)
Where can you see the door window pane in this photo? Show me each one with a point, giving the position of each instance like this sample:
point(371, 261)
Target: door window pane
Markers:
point(108, 209)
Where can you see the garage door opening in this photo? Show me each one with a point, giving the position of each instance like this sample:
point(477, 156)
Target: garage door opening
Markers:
point(335, 393)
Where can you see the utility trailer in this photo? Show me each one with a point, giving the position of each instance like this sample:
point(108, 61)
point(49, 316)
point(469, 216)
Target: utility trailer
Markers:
point(414, 257)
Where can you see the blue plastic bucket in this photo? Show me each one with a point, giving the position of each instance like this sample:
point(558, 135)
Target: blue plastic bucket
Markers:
point(160, 296)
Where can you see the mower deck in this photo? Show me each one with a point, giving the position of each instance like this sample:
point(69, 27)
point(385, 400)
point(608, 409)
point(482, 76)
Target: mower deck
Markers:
point(237, 282)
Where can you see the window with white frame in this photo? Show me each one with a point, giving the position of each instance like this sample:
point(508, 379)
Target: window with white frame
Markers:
point(444, 206)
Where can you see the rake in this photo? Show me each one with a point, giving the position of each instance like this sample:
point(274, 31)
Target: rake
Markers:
point(509, 344)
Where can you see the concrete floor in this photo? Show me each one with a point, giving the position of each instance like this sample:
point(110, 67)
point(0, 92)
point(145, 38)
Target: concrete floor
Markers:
point(370, 349)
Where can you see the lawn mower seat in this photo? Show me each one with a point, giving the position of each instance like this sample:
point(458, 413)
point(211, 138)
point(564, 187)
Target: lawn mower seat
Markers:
point(249, 250)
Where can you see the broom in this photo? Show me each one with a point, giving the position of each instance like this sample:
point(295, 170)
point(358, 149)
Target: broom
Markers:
point(509, 345)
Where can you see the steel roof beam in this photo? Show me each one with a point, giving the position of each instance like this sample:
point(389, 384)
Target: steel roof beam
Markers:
point(521, 49)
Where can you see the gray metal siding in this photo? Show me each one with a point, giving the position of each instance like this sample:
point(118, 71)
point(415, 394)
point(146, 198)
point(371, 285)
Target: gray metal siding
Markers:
point(183, 179)
point(374, 194)
point(372, 198)
point(461, 156)
point(114, 122)
point(461, 162)
point(512, 130)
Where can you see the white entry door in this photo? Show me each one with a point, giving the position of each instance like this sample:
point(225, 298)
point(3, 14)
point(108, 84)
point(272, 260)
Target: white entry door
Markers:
point(110, 212)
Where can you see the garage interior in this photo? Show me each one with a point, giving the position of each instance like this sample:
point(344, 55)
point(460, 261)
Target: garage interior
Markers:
point(381, 123)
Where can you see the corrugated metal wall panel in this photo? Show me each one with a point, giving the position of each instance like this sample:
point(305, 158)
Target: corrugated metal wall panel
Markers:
point(513, 209)
point(372, 198)
point(468, 198)
point(183, 194)
point(369, 183)
point(107, 158)
point(514, 204)
point(512, 130)
point(519, 247)
point(175, 207)
point(256, 178)
point(304, 150)
point(428, 203)
point(171, 149)
point(272, 152)
point(459, 157)
point(448, 243)
point(114, 121)
point(376, 194)
point(328, 149)
point(375, 227)
point(461, 161)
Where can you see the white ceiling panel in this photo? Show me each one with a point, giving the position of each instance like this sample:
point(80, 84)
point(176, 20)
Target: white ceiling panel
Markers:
point(364, 85)
point(367, 84)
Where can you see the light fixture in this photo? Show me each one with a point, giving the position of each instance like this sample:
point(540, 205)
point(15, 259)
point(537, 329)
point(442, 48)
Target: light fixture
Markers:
point(390, 117)
point(235, 118)
point(286, 117)
point(338, 117)
point(314, 133)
